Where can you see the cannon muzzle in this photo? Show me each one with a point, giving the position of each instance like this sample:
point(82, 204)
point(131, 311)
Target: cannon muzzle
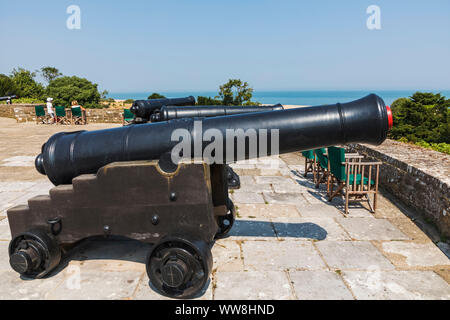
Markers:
point(67, 155)
point(8, 98)
point(174, 112)
point(145, 108)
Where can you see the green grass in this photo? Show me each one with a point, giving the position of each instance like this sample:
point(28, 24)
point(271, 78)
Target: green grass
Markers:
point(440, 147)
point(25, 100)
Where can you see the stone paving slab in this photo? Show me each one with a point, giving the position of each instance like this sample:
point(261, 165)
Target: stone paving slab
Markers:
point(18, 161)
point(260, 285)
point(280, 255)
point(411, 254)
point(91, 284)
point(275, 180)
point(5, 233)
point(409, 228)
point(319, 210)
point(267, 211)
point(371, 229)
point(4, 261)
point(315, 197)
point(297, 199)
point(352, 255)
point(242, 166)
point(319, 285)
point(252, 230)
point(227, 256)
point(355, 211)
point(309, 229)
point(17, 186)
point(392, 285)
point(294, 158)
point(254, 188)
point(289, 188)
point(246, 180)
point(42, 186)
point(13, 287)
point(7, 200)
point(247, 197)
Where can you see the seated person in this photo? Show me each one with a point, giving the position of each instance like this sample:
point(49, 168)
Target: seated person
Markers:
point(75, 104)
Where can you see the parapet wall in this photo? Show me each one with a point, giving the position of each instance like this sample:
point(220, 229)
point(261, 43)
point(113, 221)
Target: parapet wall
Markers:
point(418, 177)
point(26, 113)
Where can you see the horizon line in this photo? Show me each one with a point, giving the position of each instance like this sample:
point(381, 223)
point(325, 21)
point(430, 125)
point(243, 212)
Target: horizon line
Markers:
point(283, 90)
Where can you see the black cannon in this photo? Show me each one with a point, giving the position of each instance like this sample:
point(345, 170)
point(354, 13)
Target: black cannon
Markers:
point(8, 98)
point(174, 112)
point(177, 112)
point(136, 182)
point(143, 109)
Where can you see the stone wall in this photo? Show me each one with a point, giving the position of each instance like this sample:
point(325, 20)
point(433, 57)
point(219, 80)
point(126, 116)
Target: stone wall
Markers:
point(418, 177)
point(25, 113)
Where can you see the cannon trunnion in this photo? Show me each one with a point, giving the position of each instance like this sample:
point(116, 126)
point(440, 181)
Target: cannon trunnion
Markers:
point(181, 212)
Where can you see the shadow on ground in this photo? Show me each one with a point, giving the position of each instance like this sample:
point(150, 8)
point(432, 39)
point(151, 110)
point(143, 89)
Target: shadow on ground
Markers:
point(119, 248)
point(251, 228)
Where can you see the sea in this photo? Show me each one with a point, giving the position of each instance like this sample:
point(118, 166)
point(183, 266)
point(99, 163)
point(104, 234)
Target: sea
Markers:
point(308, 98)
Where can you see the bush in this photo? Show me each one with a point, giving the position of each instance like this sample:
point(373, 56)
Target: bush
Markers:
point(24, 84)
point(236, 93)
point(66, 89)
point(7, 87)
point(128, 101)
point(156, 96)
point(424, 117)
point(108, 100)
point(208, 101)
point(441, 147)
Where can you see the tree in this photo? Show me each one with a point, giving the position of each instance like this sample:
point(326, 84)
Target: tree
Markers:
point(50, 73)
point(103, 94)
point(7, 87)
point(155, 95)
point(26, 86)
point(422, 117)
point(235, 92)
point(66, 89)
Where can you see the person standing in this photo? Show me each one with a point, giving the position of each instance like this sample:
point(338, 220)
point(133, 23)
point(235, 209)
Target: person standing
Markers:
point(50, 109)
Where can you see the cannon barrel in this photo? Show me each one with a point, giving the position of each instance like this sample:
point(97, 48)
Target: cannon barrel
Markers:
point(145, 108)
point(67, 155)
point(174, 112)
point(8, 98)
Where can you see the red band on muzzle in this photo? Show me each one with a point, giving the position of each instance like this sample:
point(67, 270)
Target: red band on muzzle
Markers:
point(390, 119)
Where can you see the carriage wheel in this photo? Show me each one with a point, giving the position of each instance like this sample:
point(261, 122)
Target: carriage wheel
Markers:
point(34, 253)
point(179, 268)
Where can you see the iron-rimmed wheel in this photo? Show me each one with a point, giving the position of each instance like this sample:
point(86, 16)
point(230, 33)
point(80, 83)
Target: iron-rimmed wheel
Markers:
point(34, 253)
point(226, 222)
point(179, 268)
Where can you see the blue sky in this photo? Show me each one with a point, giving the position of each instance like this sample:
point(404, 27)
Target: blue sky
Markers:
point(198, 44)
